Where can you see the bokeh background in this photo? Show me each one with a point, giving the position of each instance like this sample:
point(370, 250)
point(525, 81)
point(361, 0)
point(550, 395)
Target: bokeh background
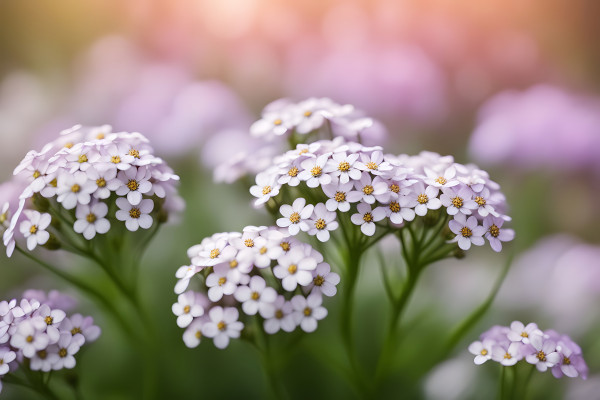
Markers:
point(511, 85)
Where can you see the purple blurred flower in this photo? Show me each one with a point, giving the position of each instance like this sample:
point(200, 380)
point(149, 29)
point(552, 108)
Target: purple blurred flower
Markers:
point(543, 126)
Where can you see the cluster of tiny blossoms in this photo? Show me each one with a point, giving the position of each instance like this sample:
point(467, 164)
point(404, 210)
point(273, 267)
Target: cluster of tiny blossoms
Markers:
point(260, 271)
point(284, 118)
point(89, 171)
point(36, 329)
point(374, 187)
point(544, 349)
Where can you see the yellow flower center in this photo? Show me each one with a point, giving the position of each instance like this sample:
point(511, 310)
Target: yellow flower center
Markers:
point(480, 201)
point(75, 188)
point(33, 229)
point(29, 339)
point(100, 136)
point(566, 361)
point(307, 311)
point(484, 352)
point(394, 188)
point(466, 232)
point(507, 356)
point(524, 334)
point(295, 218)
point(75, 330)
point(457, 202)
point(285, 246)
point(115, 159)
point(307, 113)
point(222, 326)
point(82, 159)
point(541, 355)
point(293, 171)
point(367, 217)
point(249, 243)
point(255, 296)
point(368, 189)
point(101, 182)
point(319, 280)
point(344, 166)
point(340, 197)
point(263, 250)
point(134, 153)
point(303, 151)
point(42, 354)
point(48, 320)
point(266, 190)
point(187, 309)
point(277, 122)
point(68, 145)
point(371, 165)
point(133, 185)
point(441, 180)
point(198, 335)
point(222, 281)
point(135, 213)
point(233, 264)
point(422, 198)
point(278, 314)
point(3, 217)
point(214, 253)
point(53, 182)
point(316, 171)
point(320, 224)
point(292, 269)
point(394, 207)
point(494, 230)
point(91, 218)
point(36, 174)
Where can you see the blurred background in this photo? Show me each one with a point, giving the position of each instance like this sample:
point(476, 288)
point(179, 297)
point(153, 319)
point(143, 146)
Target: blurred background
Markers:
point(510, 85)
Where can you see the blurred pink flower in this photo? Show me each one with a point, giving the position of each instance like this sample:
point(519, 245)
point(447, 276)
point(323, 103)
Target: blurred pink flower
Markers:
point(543, 126)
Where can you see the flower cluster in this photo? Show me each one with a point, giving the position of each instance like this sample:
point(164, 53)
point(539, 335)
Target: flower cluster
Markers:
point(283, 117)
point(544, 349)
point(80, 177)
point(38, 329)
point(260, 271)
point(375, 187)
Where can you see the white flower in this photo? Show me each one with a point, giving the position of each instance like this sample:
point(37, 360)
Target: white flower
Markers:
point(295, 268)
point(340, 196)
point(30, 336)
point(483, 203)
point(67, 345)
point(135, 216)
point(221, 282)
point(441, 180)
point(189, 306)
point(265, 188)
point(134, 183)
point(482, 350)
point(73, 189)
point(77, 324)
point(34, 228)
point(44, 359)
point(6, 357)
point(322, 222)
point(279, 317)
point(222, 324)
point(90, 219)
point(214, 253)
point(494, 232)
point(521, 333)
point(105, 180)
point(308, 310)
point(315, 171)
point(366, 218)
point(343, 167)
point(52, 318)
point(423, 198)
point(507, 356)
point(272, 124)
point(324, 281)
point(193, 334)
point(295, 216)
point(369, 188)
point(467, 231)
point(457, 201)
point(257, 296)
point(374, 164)
point(184, 274)
point(543, 353)
point(289, 173)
